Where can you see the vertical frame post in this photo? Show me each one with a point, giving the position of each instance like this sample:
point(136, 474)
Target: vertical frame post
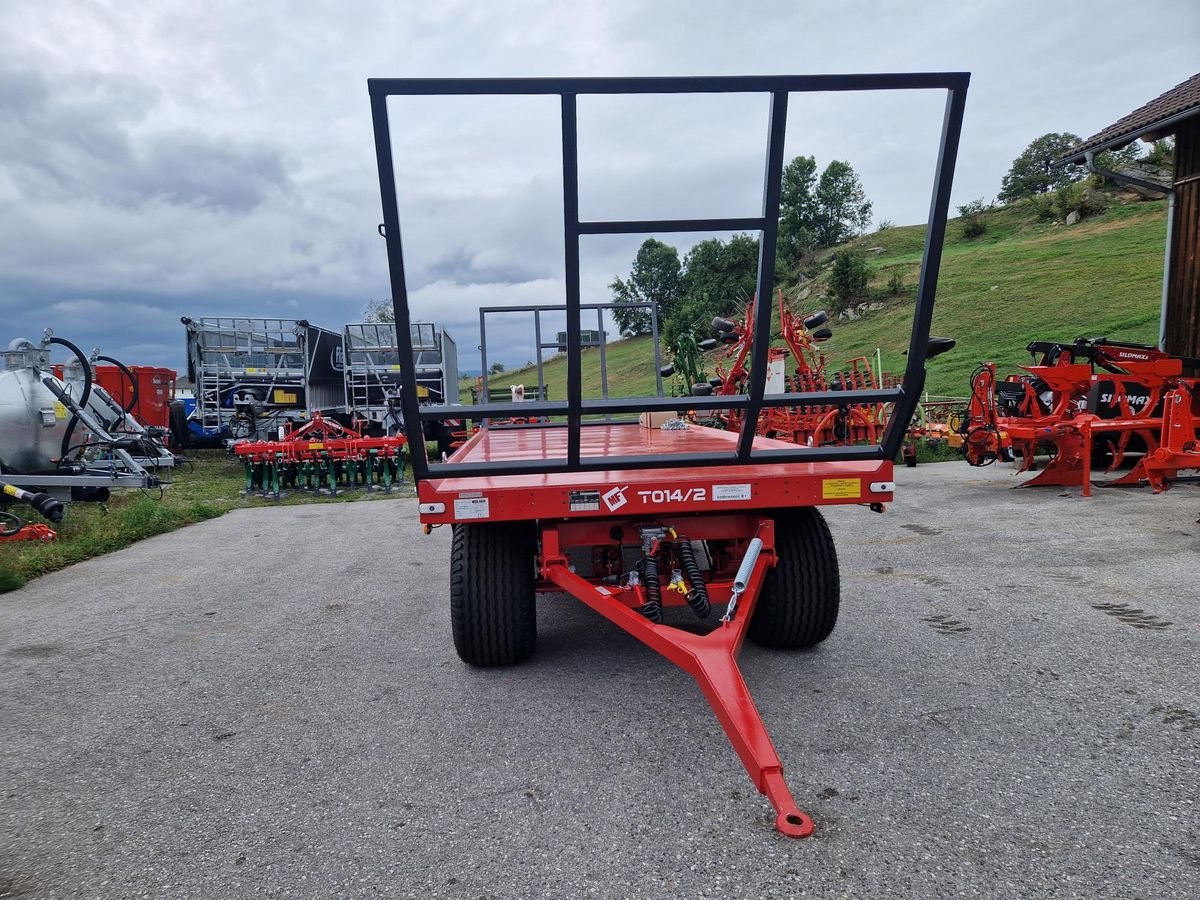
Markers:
point(570, 161)
point(413, 426)
point(935, 235)
point(773, 176)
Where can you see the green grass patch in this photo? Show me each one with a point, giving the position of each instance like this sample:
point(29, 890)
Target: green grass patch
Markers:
point(1021, 280)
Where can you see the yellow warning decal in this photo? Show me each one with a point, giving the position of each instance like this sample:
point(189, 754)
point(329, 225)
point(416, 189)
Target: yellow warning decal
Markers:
point(422, 391)
point(393, 368)
point(285, 396)
point(841, 488)
point(317, 445)
point(60, 411)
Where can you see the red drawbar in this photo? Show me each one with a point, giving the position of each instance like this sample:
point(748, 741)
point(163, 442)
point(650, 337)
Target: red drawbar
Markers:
point(709, 658)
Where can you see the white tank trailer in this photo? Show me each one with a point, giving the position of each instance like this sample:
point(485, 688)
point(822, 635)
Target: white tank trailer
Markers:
point(54, 439)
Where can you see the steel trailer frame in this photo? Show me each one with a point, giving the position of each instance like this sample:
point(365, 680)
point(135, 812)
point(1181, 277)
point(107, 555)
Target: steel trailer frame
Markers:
point(599, 308)
point(731, 488)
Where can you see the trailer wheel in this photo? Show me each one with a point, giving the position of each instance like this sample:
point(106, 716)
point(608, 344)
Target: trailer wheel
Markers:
point(492, 591)
point(798, 606)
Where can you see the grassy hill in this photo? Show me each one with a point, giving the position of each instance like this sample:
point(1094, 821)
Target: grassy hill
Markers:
point(1022, 280)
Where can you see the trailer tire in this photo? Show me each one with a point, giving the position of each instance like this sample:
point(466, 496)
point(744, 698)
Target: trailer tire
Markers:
point(798, 605)
point(492, 591)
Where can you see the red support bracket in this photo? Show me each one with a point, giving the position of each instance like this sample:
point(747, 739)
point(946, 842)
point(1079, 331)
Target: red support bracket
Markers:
point(711, 660)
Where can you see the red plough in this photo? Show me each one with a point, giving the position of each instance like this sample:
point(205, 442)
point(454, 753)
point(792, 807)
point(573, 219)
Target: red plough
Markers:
point(1093, 403)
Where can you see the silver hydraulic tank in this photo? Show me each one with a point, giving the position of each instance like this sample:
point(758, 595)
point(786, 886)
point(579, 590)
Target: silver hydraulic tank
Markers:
point(32, 422)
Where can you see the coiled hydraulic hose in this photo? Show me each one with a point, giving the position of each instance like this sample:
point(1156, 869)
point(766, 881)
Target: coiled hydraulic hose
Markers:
point(84, 397)
point(652, 608)
point(697, 596)
point(135, 396)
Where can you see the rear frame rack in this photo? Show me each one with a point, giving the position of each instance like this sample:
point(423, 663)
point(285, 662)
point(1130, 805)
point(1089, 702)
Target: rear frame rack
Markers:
point(574, 407)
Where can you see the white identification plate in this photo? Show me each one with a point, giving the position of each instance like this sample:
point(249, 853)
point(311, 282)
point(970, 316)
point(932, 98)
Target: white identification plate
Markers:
point(471, 508)
point(731, 492)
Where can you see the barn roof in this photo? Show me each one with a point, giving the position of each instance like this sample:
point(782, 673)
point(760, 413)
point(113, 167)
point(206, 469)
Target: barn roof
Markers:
point(1156, 118)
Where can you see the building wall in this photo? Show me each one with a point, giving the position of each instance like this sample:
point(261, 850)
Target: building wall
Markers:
point(1183, 286)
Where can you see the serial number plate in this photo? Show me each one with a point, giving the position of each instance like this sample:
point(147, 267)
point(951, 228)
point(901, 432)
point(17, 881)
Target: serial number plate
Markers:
point(583, 501)
point(471, 508)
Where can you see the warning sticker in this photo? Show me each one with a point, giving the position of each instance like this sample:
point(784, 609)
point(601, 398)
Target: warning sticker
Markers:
point(841, 488)
point(584, 501)
point(316, 445)
point(60, 411)
point(471, 508)
point(731, 492)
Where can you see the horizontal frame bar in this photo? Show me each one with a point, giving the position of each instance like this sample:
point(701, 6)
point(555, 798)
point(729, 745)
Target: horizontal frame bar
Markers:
point(718, 84)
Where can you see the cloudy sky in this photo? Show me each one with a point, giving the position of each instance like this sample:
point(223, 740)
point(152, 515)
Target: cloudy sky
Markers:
point(168, 158)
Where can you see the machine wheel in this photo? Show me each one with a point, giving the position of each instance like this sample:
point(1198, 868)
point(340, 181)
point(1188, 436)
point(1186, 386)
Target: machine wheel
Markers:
point(798, 606)
point(492, 592)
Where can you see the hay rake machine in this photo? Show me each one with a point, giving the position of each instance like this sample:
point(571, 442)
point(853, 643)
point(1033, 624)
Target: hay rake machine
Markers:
point(322, 456)
point(812, 426)
point(645, 525)
point(1093, 404)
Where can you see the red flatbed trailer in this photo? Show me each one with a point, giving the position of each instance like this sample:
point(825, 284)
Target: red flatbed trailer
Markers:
point(570, 502)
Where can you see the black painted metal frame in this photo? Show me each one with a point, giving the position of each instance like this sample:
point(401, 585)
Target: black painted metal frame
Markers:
point(778, 87)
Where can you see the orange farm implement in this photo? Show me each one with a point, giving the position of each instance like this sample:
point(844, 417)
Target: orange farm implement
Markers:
point(1093, 404)
point(812, 426)
point(322, 456)
point(13, 528)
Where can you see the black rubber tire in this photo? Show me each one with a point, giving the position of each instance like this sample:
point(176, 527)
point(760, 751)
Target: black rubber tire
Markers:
point(492, 592)
point(798, 606)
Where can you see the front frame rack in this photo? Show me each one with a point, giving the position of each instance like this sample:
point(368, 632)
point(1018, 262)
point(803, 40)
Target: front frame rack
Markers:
point(575, 408)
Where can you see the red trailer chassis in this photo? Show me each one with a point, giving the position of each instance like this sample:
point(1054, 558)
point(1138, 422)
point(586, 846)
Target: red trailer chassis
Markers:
point(732, 506)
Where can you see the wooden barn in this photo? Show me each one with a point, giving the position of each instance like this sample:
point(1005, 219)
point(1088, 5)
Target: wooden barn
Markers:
point(1177, 112)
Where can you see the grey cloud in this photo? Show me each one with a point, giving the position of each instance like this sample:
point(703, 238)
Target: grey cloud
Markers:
point(65, 139)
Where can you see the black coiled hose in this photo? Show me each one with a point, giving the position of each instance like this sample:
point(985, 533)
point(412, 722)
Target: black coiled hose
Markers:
point(652, 608)
point(84, 397)
point(697, 596)
point(135, 396)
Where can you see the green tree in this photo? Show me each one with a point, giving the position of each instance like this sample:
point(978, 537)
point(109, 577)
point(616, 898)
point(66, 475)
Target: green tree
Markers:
point(798, 214)
point(718, 278)
point(849, 277)
point(843, 209)
point(656, 277)
point(1038, 170)
point(379, 311)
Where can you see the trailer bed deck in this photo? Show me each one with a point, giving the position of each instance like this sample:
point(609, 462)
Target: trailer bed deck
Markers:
point(632, 491)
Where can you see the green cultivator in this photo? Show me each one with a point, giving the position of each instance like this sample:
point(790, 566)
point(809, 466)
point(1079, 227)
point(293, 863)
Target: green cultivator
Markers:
point(322, 457)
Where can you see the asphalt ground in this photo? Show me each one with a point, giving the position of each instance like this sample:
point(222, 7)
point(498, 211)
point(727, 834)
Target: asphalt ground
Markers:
point(269, 705)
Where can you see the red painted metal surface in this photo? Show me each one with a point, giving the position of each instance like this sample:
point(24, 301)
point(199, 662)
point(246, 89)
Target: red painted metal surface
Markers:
point(1180, 447)
point(709, 658)
point(631, 492)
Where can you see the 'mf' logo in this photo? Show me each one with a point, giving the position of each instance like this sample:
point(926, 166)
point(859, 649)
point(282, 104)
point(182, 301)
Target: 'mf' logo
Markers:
point(615, 498)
